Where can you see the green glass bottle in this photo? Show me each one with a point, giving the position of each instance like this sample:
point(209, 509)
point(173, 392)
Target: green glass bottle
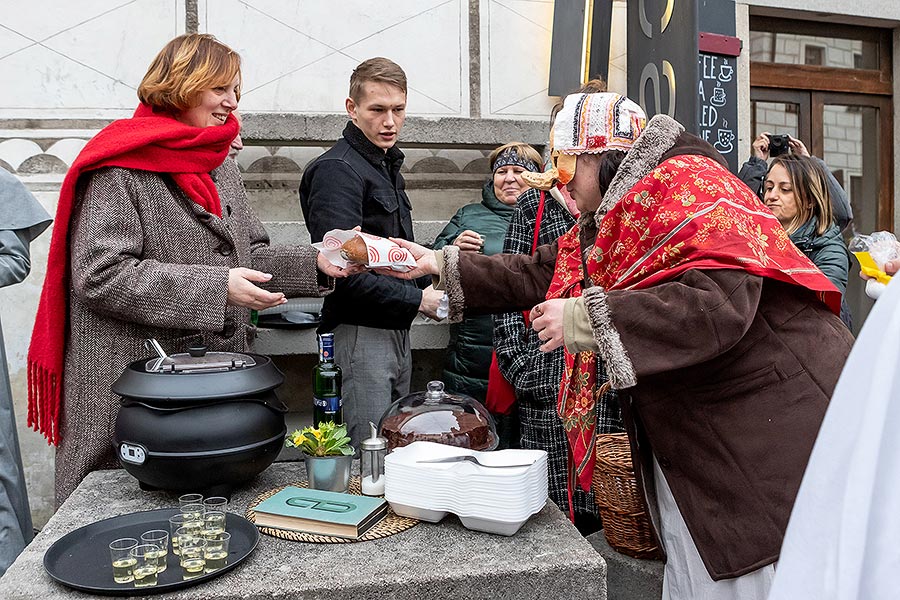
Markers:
point(327, 401)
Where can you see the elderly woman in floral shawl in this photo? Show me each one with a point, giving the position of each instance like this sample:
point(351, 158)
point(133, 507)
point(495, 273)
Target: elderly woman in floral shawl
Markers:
point(719, 334)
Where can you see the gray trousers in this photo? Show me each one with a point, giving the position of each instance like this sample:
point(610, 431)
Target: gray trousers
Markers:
point(376, 366)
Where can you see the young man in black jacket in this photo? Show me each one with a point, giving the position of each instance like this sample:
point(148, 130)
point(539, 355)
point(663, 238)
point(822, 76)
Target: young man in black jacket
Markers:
point(358, 182)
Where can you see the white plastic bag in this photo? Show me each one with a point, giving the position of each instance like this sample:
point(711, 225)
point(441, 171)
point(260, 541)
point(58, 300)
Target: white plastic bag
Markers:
point(872, 251)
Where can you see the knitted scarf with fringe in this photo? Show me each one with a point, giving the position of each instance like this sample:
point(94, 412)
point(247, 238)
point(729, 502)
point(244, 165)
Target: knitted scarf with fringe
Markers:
point(148, 141)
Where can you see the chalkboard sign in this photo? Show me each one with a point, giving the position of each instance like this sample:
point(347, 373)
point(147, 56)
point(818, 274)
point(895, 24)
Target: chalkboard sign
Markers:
point(717, 104)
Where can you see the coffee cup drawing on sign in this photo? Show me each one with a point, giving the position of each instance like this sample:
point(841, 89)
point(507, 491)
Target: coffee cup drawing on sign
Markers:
point(726, 72)
point(725, 141)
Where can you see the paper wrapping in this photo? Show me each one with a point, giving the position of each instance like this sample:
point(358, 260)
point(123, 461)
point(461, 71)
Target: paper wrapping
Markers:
point(382, 251)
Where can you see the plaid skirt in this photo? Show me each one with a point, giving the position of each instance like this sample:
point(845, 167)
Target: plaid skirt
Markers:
point(542, 429)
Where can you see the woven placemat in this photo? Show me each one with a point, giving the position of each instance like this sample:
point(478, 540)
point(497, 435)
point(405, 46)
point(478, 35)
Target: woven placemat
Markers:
point(392, 523)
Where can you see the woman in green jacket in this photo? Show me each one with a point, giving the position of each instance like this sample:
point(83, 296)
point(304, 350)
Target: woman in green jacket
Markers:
point(481, 227)
point(796, 192)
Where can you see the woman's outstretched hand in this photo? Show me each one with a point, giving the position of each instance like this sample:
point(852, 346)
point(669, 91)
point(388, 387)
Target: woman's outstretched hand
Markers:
point(424, 257)
point(547, 321)
point(242, 291)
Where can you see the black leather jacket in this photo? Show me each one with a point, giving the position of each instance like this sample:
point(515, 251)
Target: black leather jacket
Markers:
point(357, 183)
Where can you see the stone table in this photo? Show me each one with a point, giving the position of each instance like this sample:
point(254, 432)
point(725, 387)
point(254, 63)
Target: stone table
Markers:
point(547, 558)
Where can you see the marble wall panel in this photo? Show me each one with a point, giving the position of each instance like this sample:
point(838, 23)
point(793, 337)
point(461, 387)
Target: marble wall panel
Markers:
point(80, 59)
point(298, 56)
point(515, 58)
point(85, 59)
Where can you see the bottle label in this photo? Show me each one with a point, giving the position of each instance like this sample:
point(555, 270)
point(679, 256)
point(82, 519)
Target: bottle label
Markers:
point(331, 404)
point(326, 347)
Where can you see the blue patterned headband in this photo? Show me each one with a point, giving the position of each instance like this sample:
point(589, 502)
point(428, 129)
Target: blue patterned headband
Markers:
point(511, 157)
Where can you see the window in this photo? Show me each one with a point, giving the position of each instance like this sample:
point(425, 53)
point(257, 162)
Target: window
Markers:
point(814, 55)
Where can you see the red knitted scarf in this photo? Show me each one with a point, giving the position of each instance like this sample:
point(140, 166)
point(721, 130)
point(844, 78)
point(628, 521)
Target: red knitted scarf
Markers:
point(149, 142)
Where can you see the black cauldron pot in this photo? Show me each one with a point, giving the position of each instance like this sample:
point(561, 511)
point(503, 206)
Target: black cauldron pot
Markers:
point(201, 421)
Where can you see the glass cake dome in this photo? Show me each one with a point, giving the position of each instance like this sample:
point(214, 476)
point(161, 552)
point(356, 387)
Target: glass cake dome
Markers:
point(436, 416)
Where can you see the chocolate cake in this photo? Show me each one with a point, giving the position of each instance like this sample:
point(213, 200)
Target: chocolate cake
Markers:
point(449, 427)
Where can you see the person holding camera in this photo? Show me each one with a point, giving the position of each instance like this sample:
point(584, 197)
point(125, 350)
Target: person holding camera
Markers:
point(795, 191)
point(768, 145)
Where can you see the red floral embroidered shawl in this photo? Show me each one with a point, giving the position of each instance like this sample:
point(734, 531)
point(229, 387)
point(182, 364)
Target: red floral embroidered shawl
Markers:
point(688, 213)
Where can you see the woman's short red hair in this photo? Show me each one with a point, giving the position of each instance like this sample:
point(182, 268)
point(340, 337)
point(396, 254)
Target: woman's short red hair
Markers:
point(186, 66)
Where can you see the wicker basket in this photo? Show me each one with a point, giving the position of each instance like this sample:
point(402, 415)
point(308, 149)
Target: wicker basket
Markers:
point(625, 523)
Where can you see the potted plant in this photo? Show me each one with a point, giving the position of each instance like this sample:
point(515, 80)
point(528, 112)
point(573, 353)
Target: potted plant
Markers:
point(328, 455)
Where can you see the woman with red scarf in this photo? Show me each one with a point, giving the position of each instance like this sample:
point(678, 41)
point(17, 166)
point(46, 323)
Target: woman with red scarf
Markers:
point(153, 238)
point(721, 337)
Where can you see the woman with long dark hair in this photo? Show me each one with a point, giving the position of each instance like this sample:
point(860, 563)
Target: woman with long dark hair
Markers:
point(796, 192)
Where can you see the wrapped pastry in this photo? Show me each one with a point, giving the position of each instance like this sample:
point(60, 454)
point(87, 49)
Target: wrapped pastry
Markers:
point(343, 247)
point(355, 250)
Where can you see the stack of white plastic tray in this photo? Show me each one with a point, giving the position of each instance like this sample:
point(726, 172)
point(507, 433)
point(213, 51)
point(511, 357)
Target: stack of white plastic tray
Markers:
point(496, 499)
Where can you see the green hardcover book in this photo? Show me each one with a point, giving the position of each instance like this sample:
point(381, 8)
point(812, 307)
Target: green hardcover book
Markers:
point(320, 512)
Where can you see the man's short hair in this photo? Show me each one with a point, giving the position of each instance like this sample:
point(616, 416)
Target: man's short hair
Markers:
point(380, 70)
point(185, 67)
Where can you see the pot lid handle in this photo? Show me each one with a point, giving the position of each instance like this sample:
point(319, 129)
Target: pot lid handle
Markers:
point(153, 346)
point(163, 359)
point(197, 350)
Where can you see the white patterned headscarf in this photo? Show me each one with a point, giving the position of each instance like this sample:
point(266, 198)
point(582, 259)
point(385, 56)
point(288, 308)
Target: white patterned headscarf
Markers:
point(588, 124)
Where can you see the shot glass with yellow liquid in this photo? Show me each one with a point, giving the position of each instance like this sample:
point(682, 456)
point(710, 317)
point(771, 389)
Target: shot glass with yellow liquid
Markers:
point(146, 565)
point(160, 538)
point(216, 552)
point(193, 515)
point(122, 561)
point(193, 556)
point(176, 522)
point(213, 524)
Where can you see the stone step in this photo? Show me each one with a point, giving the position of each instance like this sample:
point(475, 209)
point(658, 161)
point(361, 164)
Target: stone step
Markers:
point(281, 204)
point(628, 578)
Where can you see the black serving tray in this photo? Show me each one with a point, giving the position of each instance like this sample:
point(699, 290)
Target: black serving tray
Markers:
point(277, 321)
point(80, 559)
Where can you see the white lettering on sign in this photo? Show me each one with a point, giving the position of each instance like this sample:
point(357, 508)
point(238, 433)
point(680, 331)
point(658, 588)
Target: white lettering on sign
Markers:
point(717, 94)
point(708, 66)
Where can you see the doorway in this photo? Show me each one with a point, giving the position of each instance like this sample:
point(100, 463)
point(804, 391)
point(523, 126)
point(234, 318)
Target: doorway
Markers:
point(830, 86)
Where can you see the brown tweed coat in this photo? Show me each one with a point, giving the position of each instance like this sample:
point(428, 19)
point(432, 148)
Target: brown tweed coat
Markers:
point(146, 261)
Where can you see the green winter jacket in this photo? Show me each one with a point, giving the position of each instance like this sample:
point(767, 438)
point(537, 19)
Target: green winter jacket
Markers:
point(828, 251)
point(471, 341)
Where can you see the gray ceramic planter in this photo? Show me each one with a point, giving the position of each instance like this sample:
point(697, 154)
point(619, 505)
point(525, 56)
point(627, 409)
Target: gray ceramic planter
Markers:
point(330, 473)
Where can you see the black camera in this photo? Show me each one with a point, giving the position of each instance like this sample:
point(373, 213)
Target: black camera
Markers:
point(779, 144)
